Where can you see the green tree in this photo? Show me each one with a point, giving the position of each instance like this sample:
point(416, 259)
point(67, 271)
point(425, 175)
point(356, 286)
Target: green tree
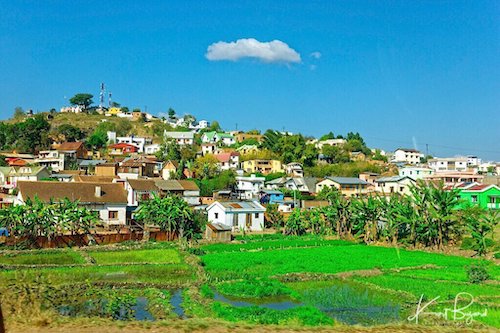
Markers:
point(19, 113)
point(169, 150)
point(206, 167)
point(171, 213)
point(171, 113)
point(273, 217)
point(327, 136)
point(97, 140)
point(295, 225)
point(82, 99)
point(480, 223)
point(70, 133)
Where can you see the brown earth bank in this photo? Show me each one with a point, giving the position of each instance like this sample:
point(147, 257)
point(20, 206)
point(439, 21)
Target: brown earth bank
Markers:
point(217, 327)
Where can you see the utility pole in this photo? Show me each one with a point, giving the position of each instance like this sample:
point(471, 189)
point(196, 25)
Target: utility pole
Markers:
point(426, 149)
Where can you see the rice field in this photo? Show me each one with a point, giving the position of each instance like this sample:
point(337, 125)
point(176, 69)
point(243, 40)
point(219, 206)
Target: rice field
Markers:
point(148, 256)
point(44, 257)
point(273, 280)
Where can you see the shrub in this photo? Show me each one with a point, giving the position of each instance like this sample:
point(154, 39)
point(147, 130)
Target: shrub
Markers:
point(477, 274)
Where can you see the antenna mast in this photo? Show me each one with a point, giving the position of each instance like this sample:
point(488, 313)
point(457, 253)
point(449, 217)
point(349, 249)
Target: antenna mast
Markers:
point(101, 96)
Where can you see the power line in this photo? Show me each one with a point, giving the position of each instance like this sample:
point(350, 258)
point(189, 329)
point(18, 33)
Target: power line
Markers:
point(437, 145)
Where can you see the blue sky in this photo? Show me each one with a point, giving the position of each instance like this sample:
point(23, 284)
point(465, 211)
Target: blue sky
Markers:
point(402, 73)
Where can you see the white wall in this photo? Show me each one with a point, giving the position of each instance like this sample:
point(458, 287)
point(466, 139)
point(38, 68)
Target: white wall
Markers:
point(227, 218)
point(122, 214)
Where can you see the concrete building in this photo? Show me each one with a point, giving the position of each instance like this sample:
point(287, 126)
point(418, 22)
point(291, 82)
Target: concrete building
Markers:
point(407, 156)
point(239, 215)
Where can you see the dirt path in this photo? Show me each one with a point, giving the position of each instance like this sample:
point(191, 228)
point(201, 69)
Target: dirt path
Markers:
point(200, 326)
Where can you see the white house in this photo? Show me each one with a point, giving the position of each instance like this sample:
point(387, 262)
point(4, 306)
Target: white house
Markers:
point(139, 142)
point(182, 138)
point(415, 172)
point(197, 126)
point(151, 149)
point(329, 142)
point(302, 184)
point(209, 148)
point(407, 156)
point(294, 169)
point(448, 164)
point(394, 184)
point(52, 159)
point(216, 137)
point(72, 109)
point(228, 161)
point(10, 176)
point(139, 190)
point(249, 187)
point(247, 215)
point(473, 161)
point(108, 199)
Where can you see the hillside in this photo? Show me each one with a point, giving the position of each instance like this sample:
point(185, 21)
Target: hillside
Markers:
point(88, 122)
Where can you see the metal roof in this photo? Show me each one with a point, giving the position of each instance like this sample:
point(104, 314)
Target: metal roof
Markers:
point(347, 180)
point(242, 206)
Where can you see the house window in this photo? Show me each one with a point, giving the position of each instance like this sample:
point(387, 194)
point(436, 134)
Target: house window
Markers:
point(113, 215)
point(256, 215)
point(216, 215)
point(492, 200)
point(401, 189)
point(473, 198)
point(145, 196)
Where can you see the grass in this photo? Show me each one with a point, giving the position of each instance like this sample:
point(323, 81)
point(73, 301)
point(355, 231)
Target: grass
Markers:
point(254, 288)
point(449, 273)
point(430, 288)
point(153, 256)
point(67, 257)
point(168, 275)
point(303, 315)
point(272, 244)
point(335, 259)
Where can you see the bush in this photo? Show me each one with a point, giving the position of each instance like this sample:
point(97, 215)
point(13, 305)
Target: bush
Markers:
point(477, 274)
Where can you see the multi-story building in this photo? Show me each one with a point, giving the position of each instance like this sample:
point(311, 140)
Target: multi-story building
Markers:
point(415, 172)
point(407, 156)
point(249, 187)
point(264, 167)
point(139, 142)
point(181, 138)
point(448, 164)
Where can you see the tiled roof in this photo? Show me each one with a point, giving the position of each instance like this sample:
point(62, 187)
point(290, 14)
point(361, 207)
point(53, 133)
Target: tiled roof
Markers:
point(83, 192)
point(69, 146)
point(122, 145)
point(176, 185)
point(93, 179)
point(225, 157)
point(480, 187)
point(143, 184)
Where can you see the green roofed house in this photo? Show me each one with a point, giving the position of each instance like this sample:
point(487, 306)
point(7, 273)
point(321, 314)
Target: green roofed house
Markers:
point(486, 196)
point(215, 137)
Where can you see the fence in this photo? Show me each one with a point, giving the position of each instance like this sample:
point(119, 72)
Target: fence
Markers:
point(86, 239)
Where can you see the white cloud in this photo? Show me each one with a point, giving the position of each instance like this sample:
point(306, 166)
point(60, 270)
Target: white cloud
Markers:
point(313, 67)
point(274, 51)
point(316, 55)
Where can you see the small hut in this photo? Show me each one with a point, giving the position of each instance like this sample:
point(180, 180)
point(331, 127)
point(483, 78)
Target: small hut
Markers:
point(218, 232)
